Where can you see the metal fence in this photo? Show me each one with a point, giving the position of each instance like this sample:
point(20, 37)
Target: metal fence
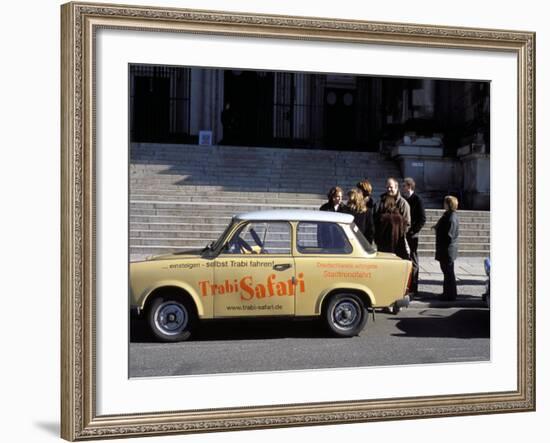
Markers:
point(160, 104)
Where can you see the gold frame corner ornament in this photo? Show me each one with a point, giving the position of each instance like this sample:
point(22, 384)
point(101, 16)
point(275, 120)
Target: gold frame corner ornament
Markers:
point(79, 22)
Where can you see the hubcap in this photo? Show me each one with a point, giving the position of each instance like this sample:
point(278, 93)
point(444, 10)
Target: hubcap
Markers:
point(171, 318)
point(346, 314)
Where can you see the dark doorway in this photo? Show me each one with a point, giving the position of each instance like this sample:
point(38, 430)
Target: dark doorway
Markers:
point(250, 98)
point(151, 109)
point(340, 117)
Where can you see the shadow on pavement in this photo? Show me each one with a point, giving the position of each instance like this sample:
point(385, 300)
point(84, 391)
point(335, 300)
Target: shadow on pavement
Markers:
point(240, 329)
point(431, 300)
point(139, 331)
point(459, 281)
point(465, 324)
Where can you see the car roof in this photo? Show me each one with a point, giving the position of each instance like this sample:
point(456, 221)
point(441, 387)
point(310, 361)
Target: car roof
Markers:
point(295, 215)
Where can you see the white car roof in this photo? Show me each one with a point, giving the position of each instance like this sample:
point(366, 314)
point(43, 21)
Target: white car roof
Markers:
point(296, 215)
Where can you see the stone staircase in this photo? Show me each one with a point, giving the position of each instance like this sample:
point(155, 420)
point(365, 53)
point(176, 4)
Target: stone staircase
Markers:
point(474, 237)
point(183, 196)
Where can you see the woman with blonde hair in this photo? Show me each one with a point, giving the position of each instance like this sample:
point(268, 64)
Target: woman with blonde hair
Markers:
point(362, 215)
point(366, 189)
point(446, 246)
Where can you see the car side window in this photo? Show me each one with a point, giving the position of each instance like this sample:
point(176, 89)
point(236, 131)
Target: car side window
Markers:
point(261, 238)
point(322, 238)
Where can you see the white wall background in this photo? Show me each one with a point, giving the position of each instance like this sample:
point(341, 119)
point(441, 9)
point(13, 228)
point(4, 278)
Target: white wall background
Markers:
point(30, 176)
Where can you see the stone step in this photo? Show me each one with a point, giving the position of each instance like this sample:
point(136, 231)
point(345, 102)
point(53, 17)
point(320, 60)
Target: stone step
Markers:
point(188, 230)
point(220, 210)
point(218, 224)
point(374, 172)
point(170, 226)
point(229, 152)
point(187, 226)
point(431, 220)
point(198, 234)
point(439, 212)
point(250, 184)
point(194, 241)
point(204, 219)
point(216, 192)
point(264, 187)
point(241, 165)
point(183, 196)
point(379, 169)
point(209, 211)
point(268, 197)
point(193, 219)
point(481, 239)
point(179, 242)
point(485, 234)
point(468, 253)
point(238, 198)
point(156, 149)
point(464, 227)
point(211, 176)
point(430, 213)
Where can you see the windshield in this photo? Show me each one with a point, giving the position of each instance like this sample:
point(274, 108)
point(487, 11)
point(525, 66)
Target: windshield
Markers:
point(367, 246)
point(218, 243)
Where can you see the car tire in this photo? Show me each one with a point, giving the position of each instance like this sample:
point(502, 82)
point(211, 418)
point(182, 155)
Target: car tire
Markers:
point(345, 315)
point(171, 319)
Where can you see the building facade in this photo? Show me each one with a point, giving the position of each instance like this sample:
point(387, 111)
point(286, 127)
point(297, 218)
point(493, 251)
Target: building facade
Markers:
point(437, 130)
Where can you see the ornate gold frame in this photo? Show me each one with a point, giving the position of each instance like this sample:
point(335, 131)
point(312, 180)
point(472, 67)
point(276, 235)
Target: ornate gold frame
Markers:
point(78, 416)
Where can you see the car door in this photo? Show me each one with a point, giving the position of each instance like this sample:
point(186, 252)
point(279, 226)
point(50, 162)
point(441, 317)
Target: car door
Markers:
point(324, 258)
point(254, 275)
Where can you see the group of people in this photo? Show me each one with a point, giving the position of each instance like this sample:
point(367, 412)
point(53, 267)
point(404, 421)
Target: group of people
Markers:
point(395, 221)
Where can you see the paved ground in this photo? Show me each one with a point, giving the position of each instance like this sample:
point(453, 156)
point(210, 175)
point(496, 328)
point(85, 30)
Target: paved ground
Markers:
point(470, 276)
point(466, 268)
point(429, 331)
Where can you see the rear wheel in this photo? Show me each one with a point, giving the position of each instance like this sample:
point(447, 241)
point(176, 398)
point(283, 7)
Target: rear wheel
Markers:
point(345, 315)
point(171, 319)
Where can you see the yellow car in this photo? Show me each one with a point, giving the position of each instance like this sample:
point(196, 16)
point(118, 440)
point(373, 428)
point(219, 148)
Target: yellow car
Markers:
point(271, 264)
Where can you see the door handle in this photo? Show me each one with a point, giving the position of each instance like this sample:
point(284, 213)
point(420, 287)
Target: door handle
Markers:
point(282, 267)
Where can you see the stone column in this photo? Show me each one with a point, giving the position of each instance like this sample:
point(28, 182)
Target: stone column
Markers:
point(477, 180)
point(299, 98)
point(206, 114)
point(196, 100)
point(217, 105)
point(423, 99)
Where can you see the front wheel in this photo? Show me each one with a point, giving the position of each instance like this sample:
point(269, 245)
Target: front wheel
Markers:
point(345, 315)
point(171, 319)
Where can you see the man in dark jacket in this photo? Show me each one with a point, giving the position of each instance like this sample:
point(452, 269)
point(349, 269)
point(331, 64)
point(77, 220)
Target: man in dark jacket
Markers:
point(446, 246)
point(418, 220)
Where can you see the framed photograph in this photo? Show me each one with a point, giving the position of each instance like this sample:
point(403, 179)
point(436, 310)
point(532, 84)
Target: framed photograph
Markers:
point(197, 150)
